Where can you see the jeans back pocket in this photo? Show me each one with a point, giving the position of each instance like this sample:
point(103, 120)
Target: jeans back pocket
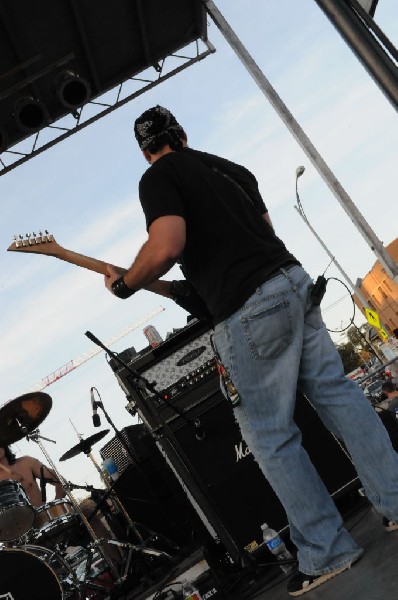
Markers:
point(269, 331)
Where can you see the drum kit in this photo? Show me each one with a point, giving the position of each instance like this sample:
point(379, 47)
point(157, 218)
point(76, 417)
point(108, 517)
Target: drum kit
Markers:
point(52, 552)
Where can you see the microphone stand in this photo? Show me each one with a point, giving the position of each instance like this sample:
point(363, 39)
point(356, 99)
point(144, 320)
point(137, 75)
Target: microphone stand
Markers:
point(35, 436)
point(111, 493)
point(180, 464)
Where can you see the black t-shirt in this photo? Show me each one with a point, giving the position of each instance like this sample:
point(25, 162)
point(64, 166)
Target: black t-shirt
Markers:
point(230, 249)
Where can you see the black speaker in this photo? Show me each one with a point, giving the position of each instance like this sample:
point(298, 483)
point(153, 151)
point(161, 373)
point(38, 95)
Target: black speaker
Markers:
point(238, 491)
point(236, 486)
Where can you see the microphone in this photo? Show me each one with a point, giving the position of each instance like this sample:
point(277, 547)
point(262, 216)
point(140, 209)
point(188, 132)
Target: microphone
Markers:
point(96, 417)
point(43, 485)
point(199, 431)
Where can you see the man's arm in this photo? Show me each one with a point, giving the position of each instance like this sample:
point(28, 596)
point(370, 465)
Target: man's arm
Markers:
point(166, 241)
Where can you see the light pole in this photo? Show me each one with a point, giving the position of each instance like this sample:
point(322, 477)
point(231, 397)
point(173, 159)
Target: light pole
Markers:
point(299, 207)
point(307, 146)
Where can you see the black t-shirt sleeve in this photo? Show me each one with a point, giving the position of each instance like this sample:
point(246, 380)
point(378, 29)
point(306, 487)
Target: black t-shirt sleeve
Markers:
point(159, 194)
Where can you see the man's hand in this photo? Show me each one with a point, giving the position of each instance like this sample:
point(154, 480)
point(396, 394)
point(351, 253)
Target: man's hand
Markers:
point(113, 275)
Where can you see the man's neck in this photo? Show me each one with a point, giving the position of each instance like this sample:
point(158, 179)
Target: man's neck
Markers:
point(165, 150)
point(162, 152)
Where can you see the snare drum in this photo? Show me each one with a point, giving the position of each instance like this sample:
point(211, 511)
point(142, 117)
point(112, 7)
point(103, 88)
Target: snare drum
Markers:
point(24, 575)
point(16, 512)
point(53, 519)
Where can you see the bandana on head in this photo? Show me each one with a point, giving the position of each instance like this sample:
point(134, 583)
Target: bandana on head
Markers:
point(153, 123)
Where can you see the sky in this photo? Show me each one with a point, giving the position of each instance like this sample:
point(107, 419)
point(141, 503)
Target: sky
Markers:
point(84, 191)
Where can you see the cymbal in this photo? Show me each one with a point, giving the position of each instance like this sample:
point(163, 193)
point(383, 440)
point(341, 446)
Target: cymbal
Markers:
point(84, 446)
point(23, 415)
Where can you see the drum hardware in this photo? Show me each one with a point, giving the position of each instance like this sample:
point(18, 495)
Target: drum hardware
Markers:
point(16, 512)
point(97, 544)
point(19, 418)
point(26, 575)
point(52, 520)
point(85, 446)
point(36, 437)
point(23, 415)
point(39, 573)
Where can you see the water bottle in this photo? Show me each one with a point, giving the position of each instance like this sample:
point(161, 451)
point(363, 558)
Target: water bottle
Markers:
point(276, 545)
point(110, 467)
point(189, 591)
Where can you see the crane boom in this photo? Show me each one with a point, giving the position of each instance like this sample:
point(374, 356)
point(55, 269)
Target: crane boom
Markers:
point(77, 362)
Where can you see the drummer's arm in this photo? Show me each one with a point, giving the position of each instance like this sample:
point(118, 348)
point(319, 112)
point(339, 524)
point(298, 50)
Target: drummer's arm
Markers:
point(52, 478)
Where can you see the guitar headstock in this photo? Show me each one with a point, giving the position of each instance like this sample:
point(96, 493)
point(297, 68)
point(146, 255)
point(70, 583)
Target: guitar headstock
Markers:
point(44, 243)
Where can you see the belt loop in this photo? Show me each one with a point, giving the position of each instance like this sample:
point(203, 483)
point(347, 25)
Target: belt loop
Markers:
point(286, 274)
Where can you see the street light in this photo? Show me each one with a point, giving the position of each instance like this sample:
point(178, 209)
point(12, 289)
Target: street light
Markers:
point(299, 207)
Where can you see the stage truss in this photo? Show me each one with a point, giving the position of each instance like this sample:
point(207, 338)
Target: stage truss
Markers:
point(102, 105)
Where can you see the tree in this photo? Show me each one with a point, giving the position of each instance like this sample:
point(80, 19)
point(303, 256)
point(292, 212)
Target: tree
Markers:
point(357, 337)
point(350, 358)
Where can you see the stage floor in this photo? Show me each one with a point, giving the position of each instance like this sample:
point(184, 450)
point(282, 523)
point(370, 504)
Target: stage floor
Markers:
point(373, 577)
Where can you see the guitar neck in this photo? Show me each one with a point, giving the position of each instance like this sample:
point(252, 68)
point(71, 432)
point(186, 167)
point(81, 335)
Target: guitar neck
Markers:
point(92, 264)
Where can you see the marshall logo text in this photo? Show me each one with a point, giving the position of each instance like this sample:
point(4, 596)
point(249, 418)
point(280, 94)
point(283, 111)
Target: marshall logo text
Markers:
point(242, 450)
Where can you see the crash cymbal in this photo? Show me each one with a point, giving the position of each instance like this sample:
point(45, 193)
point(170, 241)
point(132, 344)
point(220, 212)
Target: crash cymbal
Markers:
point(84, 446)
point(23, 415)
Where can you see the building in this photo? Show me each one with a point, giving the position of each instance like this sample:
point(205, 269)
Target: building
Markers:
point(381, 292)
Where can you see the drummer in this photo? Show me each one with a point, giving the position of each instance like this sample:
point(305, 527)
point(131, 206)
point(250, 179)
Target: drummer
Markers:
point(28, 471)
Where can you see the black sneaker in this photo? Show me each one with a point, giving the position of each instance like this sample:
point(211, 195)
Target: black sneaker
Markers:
point(302, 583)
point(389, 525)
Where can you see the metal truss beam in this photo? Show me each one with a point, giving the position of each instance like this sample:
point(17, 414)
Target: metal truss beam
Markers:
point(15, 156)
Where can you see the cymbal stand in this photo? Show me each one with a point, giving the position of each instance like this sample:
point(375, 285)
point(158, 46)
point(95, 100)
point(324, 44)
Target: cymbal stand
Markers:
point(110, 493)
point(108, 485)
point(36, 437)
point(107, 481)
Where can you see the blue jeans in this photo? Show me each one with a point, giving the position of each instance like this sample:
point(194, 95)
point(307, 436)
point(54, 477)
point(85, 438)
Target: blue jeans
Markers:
point(275, 343)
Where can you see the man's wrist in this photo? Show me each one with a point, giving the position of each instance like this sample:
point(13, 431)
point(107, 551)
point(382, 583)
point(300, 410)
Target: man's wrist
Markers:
point(121, 289)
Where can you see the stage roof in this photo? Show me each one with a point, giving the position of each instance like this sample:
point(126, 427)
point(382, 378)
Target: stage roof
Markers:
point(57, 57)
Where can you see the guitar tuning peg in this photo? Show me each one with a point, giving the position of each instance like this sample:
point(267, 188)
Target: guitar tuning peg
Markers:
point(27, 235)
point(20, 236)
point(33, 233)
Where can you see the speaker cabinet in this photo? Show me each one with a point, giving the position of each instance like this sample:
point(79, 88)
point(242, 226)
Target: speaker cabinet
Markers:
point(232, 480)
point(236, 486)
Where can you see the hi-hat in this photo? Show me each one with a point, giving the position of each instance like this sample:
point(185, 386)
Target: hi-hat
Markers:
point(84, 446)
point(23, 415)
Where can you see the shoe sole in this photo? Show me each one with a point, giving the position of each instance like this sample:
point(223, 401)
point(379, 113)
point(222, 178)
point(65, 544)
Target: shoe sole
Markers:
point(321, 579)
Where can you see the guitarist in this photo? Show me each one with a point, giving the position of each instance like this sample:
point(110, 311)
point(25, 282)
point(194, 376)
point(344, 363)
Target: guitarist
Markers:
point(208, 214)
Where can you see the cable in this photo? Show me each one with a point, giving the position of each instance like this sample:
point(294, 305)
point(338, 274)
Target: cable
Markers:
point(351, 322)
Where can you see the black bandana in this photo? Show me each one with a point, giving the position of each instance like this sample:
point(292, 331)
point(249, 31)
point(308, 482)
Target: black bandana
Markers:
point(153, 123)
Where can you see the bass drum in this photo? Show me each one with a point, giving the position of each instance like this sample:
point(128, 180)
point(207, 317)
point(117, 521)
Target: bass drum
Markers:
point(25, 576)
